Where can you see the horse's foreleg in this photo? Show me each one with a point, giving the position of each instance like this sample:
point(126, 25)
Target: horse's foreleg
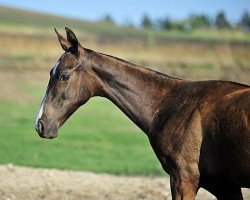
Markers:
point(183, 188)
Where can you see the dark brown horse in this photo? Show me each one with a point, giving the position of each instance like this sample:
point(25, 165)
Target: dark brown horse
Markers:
point(200, 131)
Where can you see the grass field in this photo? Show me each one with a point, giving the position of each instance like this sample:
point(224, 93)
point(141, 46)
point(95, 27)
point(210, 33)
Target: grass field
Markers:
point(98, 137)
point(86, 142)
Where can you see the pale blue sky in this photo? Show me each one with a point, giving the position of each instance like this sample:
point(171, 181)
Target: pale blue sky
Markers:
point(132, 10)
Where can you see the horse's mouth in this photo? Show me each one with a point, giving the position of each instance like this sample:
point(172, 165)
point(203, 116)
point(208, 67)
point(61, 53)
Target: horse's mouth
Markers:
point(48, 136)
point(50, 133)
point(45, 129)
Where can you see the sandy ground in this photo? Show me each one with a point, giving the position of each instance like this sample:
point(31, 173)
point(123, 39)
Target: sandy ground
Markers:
point(24, 183)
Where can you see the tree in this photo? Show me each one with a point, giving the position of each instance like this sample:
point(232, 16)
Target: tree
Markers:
point(147, 22)
point(221, 20)
point(199, 21)
point(178, 25)
point(107, 18)
point(245, 21)
point(165, 23)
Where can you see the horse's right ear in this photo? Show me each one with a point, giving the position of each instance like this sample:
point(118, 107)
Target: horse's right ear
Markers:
point(63, 41)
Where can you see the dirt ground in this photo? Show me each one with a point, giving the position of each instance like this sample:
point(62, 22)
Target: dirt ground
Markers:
point(23, 183)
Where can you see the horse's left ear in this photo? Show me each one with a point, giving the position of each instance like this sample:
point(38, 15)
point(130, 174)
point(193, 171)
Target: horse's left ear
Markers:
point(72, 40)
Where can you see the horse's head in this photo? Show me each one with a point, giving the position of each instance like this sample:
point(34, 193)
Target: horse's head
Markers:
point(71, 84)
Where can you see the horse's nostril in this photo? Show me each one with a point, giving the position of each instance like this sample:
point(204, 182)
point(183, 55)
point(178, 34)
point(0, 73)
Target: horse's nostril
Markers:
point(40, 127)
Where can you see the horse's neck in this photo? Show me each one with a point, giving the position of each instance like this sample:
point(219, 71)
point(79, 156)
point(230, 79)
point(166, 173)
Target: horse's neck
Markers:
point(137, 91)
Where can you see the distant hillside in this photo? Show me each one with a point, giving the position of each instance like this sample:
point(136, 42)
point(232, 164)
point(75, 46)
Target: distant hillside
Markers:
point(27, 18)
point(108, 32)
point(103, 30)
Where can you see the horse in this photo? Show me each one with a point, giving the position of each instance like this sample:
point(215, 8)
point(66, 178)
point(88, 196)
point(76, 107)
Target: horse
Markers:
point(199, 130)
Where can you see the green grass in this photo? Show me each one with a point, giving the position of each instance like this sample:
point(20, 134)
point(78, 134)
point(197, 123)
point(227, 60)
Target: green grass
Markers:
point(97, 138)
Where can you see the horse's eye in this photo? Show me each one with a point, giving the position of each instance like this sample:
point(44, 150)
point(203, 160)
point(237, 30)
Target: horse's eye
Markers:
point(64, 77)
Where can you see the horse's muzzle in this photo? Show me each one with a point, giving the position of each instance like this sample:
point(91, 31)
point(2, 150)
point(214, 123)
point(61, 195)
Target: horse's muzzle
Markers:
point(45, 132)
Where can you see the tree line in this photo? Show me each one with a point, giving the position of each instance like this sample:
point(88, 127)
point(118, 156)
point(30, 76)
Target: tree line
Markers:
point(196, 21)
point(190, 23)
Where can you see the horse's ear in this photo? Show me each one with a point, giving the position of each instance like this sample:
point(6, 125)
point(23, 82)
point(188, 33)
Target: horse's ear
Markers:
point(72, 39)
point(63, 41)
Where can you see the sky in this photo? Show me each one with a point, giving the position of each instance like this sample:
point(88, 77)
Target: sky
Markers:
point(131, 11)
